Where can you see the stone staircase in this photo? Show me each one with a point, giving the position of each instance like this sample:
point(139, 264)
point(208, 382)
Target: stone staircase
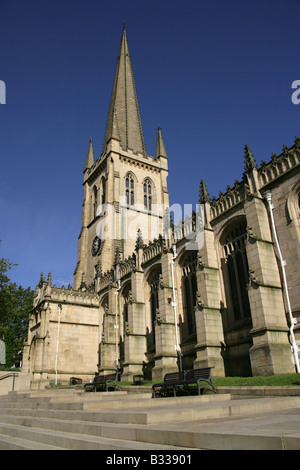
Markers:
point(73, 420)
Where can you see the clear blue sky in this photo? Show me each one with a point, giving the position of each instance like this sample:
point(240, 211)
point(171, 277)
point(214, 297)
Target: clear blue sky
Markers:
point(214, 75)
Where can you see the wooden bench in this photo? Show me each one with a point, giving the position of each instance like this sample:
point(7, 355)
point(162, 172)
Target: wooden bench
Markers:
point(199, 377)
point(169, 384)
point(183, 382)
point(103, 382)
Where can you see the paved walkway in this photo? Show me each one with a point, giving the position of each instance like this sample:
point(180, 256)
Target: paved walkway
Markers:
point(274, 430)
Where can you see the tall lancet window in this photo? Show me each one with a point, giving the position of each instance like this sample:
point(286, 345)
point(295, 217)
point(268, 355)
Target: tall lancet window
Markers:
point(147, 195)
point(95, 202)
point(129, 190)
point(154, 305)
point(189, 283)
point(103, 189)
point(237, 270)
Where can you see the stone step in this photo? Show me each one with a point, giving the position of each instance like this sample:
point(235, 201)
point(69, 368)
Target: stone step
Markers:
point(103, 401)
point(46, 394)
point(232, 432)
point(78, 396)
point(176, 413)
point(76, 403)
point(175, 410)
point(16, 443)
point(142, 423)
point(74, 441)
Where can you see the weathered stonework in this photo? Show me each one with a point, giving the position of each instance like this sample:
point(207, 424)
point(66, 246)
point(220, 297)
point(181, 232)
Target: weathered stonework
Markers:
point(231, 311)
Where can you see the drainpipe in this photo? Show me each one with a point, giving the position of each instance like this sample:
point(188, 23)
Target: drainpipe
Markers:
point(117, 293)
point(293, 321)
point(177, 347)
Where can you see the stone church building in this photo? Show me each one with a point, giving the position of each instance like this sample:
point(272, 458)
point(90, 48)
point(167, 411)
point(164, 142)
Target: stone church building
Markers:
point(220, 288)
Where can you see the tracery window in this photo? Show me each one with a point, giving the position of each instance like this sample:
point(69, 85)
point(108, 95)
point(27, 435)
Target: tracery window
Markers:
point(129, 190)
point(126, 299)
point(237, 270)
point(154, 302)
point(189, 282)
point(147, 194)
point(125, 302)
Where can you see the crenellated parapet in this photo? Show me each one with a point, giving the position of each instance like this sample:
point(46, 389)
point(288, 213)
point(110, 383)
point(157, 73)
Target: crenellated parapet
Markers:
point(46, 292)
point(231, 198)
point(154, 249)
point(280, 164)
point(255, 180)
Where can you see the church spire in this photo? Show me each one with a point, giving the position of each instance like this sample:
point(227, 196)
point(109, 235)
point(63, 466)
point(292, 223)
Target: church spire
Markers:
point(90, 157)
point(124, 121)
point(160, 150)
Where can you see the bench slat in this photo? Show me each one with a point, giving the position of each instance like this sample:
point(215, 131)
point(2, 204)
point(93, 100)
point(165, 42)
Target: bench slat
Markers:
point(102, 382)
point(185, 378)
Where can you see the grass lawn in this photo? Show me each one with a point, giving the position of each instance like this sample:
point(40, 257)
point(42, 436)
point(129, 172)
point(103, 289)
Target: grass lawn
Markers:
point(273, 380)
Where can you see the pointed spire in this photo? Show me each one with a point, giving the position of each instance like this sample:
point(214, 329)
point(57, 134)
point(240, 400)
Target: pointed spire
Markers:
point(139, 240)
point(203, 193)
point(124, 121)
point(250, 162)
point(117, 259)
point(160, 150)
point(90, 157)
point(139, 248)
point(42, 280)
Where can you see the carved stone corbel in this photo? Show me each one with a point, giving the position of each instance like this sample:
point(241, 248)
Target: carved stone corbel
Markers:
point(199, 303)
point(200, 264)
point(253, 279)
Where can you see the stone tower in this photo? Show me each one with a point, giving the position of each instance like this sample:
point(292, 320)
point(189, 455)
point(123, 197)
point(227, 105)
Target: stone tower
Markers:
point(125, 189)
point(232, 312)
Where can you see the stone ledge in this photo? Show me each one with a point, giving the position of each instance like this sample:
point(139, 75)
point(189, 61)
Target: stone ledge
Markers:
point(265, 391)
point(251, 391)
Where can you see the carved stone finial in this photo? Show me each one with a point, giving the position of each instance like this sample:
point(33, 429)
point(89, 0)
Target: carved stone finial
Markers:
point(250, 162)
point(203, 193)
point(139, 240)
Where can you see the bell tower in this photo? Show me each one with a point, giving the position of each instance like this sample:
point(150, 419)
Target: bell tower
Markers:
point(125, 189)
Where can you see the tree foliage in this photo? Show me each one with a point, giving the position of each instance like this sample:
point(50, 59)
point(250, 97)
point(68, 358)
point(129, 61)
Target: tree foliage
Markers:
point(15, 306)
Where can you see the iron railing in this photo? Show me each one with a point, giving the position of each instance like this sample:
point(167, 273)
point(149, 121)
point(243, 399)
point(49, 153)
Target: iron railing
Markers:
point(10, 374)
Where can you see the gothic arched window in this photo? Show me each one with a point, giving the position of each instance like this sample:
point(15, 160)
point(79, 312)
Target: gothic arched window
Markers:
point(129, 190)
point(103, 190)
point(237, 270)
point(95, 201)
point(189, 283)
point(147, 187)
point(125, 299)
point(154, 305)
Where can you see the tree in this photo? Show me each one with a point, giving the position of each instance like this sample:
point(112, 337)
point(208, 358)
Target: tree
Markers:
point(15, 306)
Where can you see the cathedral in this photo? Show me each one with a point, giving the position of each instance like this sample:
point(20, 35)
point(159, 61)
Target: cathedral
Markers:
point(220, 288)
